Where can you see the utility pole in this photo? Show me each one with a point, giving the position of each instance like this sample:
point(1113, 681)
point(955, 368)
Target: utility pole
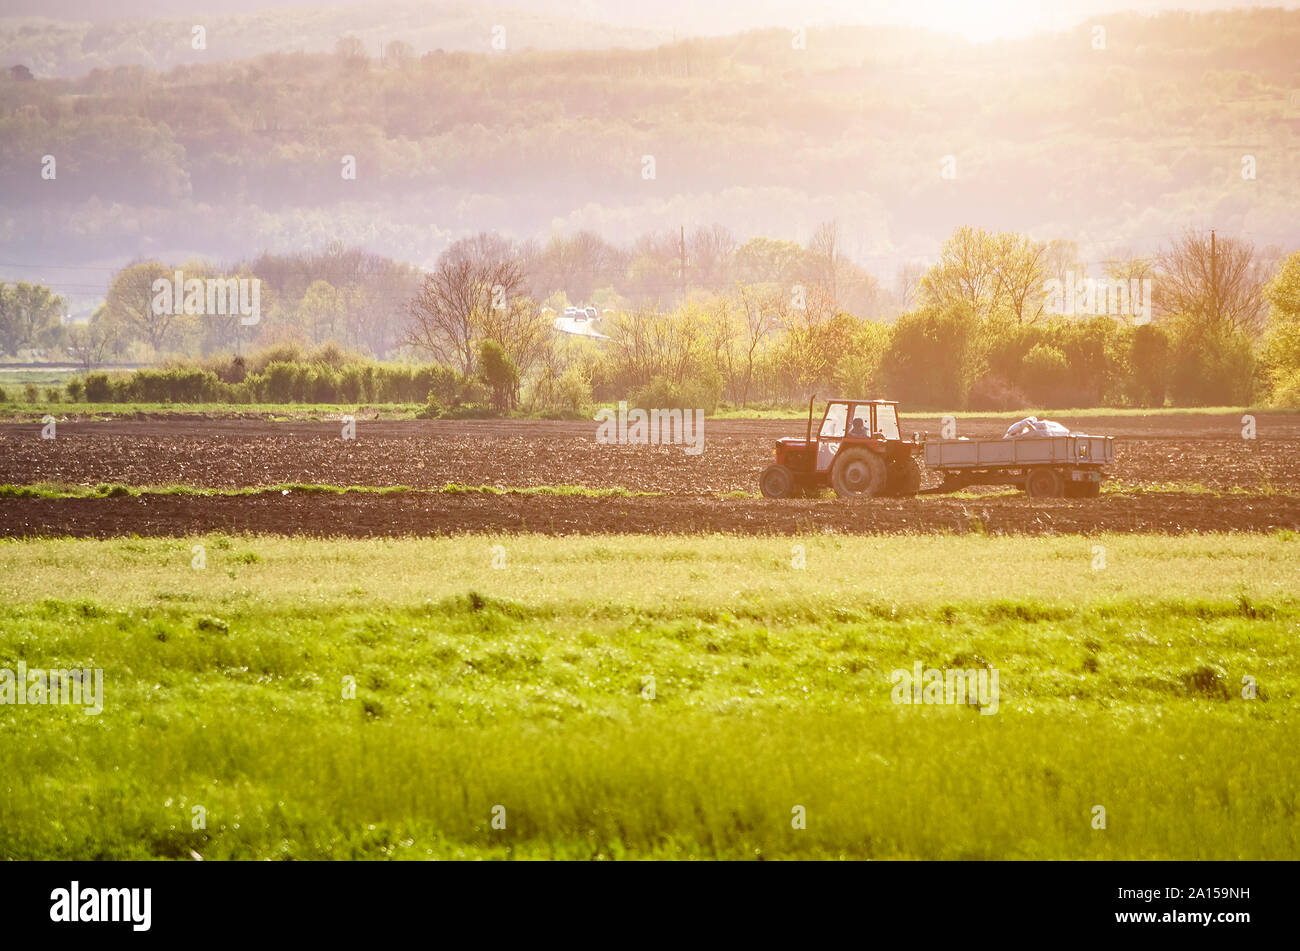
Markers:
point(683, 275)
point(1214, 280)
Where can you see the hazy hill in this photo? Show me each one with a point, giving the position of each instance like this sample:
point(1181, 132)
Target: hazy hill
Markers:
point(1116, 148)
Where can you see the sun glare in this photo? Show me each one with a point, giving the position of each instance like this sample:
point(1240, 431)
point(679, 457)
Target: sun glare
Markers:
point(979, 20)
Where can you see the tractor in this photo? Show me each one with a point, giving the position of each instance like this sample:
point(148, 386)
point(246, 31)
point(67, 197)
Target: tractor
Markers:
point(857, 450)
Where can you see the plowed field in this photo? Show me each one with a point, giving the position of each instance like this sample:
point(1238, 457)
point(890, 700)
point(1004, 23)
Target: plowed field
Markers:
point(1177, 473)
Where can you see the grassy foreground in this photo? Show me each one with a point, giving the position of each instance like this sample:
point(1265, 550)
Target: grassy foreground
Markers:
point(633, 697)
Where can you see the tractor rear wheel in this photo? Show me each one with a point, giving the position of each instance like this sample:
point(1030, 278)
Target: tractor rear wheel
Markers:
point(904, 477)
point(1044, 484)
point(776, 482)
point(858, 472)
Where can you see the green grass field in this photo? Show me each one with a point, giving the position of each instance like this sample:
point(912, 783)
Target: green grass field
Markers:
point(528, 687)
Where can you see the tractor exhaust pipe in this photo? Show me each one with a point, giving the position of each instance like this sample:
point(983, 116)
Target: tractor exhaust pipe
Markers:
point(807, 438)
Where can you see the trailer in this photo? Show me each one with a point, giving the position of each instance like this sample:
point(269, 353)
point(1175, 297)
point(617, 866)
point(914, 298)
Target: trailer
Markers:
point(1044, 466)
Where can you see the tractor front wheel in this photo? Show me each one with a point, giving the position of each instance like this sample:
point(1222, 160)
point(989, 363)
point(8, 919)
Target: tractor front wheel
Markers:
point(858, 472)
point(776, 482)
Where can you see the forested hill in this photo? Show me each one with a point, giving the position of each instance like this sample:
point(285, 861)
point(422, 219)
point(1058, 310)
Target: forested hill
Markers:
point(1116, 148)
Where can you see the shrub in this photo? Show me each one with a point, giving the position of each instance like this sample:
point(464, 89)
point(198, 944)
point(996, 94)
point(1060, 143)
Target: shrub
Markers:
point(278, 381)
point(433, 408)
point(324, 385)
point(1148, 360)
point(98, 388)
point(997, 394)
point(76, 390)
point(1211, 368)
point(499, 374)
point(52, 394)
point(1044, 373)
point(573, 391)
point(934, 358)
point(331, 354)
point(31, 393)
point(122, 389)
point(260, 361)
point(661, 393)
point(351, 384)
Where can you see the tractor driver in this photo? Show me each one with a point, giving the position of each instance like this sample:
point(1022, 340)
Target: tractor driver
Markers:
point(858, 428)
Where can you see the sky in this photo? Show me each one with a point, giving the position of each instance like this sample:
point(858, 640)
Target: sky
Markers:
point(977, 20)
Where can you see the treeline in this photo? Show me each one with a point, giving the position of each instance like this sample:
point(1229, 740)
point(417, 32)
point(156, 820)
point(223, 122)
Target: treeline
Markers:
point(1000, 321)
point(361, 300)
point(1216, 325)
point(1207, 320)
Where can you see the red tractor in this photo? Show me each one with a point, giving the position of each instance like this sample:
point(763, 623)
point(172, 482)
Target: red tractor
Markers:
point(858, 451)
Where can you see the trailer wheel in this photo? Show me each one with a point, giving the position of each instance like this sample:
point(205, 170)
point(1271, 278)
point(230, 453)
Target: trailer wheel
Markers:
point(776, 482)
point(858, 472)
point(1044, 484)
point(904, 478)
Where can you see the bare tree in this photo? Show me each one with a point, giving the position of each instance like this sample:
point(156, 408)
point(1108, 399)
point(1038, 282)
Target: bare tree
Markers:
point(1216, 282)
point(1061, 261)
point(475, 292)
point(825, 246)
point(709, 251)
point(908, 280)
point(760, 318)
point(442, 314)
point(89, 341)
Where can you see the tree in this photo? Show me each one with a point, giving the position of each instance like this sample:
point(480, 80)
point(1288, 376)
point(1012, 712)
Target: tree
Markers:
point(1215, 283)
point(398, 54)
point(907, 282)
point(762, 260)
point(499, 374)
point(708, 254)
point(966, 274)
point(442, 314)
point(475, 293)
point(1149, 365)
point(806, 353)
point(31, 315)
point(90, 341)
point(323, 312)
point(576, 265)
point(824, 246)
point(1282, 342)
point(1018, 263)
point(130, 304)
point(1061, 261)
point(350, 48)
point(934, 357)
point(1044, 369)
point(760, 317)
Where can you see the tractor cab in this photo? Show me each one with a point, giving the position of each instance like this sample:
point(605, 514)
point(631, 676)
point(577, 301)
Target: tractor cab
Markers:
point(853, 421)
point(858, 450)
